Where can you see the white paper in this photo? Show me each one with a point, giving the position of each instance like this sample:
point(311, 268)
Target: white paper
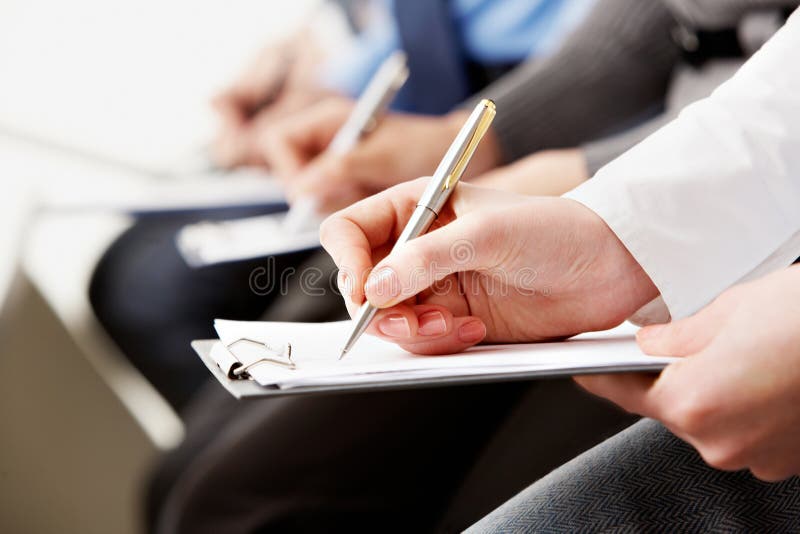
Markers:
point(316, 346)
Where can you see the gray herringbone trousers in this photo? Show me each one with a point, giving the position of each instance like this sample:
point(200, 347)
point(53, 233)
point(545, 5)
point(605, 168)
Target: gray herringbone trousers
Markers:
point(646, 479)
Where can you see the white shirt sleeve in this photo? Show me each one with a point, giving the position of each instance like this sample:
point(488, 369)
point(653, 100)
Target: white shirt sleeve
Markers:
point(713, 198)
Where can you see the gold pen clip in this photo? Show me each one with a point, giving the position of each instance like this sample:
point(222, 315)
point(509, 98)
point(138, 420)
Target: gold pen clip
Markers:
point(483, 126)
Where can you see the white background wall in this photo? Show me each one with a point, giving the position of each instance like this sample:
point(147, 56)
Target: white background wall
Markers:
point(127, 81)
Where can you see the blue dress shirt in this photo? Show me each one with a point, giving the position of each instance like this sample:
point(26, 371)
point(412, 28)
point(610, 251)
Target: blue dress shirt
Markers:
point(494, 32)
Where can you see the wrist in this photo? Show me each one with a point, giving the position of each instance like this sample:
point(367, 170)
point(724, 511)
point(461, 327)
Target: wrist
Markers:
point(633, 286)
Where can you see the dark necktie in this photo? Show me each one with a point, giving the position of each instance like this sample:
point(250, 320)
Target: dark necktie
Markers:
point(438, 79)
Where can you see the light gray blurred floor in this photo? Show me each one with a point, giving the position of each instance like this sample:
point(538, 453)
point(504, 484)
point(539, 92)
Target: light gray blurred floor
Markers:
point(71, 456)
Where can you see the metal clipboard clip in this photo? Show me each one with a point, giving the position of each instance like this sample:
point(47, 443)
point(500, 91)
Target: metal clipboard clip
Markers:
point(281, 356)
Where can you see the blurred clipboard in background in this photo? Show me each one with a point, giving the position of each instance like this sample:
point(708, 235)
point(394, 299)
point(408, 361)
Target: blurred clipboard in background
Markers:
point(210, 243)
point(60, 179)
point(253, 359)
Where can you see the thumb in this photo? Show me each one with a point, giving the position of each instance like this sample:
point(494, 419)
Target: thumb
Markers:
point(680, 338)
point(418, 264)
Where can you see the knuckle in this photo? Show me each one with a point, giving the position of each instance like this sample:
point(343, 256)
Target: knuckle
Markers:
point(768, 473)
point(718, 460)
point(726, 456)
point(691, 412)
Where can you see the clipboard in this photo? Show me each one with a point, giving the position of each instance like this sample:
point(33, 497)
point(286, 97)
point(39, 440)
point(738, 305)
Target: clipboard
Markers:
point(244, 386)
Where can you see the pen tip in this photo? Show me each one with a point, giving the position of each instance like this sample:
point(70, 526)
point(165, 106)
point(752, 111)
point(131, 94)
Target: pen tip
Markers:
point(344, 351)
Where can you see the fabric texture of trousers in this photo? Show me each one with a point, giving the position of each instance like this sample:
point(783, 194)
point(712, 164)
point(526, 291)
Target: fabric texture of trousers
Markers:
point(647, 480)
point(426, 460)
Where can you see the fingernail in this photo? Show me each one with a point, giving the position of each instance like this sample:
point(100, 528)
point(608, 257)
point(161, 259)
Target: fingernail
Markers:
point(382, 286)
point(394, 325)
point(432, 323)
point(472, 332)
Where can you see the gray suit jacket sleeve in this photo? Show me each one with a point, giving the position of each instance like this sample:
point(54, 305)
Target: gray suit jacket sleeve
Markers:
point(612, 70)
point(720, 14)
point(688, 84)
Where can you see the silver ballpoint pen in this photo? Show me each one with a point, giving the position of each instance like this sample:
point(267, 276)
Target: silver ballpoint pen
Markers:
point(435, 196)
point(373, 102)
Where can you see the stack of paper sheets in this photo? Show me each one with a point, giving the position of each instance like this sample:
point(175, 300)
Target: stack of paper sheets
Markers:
point(315, 352)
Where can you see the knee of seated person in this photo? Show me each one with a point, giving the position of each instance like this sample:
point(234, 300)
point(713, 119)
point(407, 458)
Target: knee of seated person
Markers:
point(142, 281)
point(127, 289)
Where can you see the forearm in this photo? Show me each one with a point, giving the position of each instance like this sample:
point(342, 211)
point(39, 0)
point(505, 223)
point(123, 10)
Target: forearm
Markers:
point(712, 198)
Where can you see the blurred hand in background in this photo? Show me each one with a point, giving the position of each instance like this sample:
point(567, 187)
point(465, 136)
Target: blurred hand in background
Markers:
point(402, 147)
point(282, 79)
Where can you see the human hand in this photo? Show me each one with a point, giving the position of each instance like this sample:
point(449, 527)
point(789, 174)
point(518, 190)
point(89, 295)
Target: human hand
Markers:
point(736, 395)
point(545, 173)
point(497, 266)
point(402, 147)
point(280, 81)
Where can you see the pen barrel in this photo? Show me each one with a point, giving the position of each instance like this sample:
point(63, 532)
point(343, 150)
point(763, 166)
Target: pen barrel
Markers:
point(362, 320)
point(458, 156)
point(419, 223)
point(435, 195)
point(376, 98)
